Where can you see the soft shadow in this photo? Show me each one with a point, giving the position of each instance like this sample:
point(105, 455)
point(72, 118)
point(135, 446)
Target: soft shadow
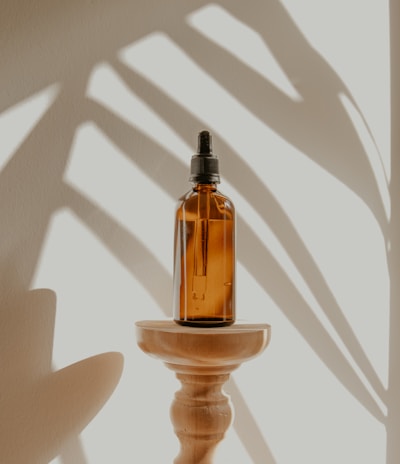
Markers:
point(256, 258)
point(40, 408)
point(72, 452)
point(318, 125)
point(51, 408)
point(56, 41)
point(393, 401)
point(269, 274)
point(130, 252)
point(246, 427)
point(31, 189)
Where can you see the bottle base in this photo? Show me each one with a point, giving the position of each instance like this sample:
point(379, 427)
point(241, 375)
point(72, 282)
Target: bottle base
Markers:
point(205, 322)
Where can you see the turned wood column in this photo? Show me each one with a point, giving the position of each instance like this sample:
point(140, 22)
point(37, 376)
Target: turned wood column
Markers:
point(202, 359)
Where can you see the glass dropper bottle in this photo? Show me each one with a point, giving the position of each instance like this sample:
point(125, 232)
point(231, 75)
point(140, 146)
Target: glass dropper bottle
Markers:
point(204, 264)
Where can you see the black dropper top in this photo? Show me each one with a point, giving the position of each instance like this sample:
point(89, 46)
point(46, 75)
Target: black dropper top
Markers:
point(204, 167)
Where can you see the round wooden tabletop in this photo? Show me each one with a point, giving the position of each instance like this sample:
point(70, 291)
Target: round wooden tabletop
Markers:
point(177, 344)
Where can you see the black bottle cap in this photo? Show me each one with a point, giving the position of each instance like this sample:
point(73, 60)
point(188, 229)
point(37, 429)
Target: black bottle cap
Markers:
point(204, 167)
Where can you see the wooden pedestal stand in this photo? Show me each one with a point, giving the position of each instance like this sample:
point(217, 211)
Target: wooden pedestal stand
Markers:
point(202, 359)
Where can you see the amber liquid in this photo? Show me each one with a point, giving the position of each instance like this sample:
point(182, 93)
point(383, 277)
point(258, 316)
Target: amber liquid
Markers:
point(204, 268)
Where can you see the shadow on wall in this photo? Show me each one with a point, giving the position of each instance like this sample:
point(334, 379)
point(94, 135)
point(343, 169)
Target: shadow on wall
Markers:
point(41, 409)
point(393, 419)
point(62, 44)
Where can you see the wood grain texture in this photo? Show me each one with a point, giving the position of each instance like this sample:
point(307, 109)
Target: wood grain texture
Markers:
point(202, 359)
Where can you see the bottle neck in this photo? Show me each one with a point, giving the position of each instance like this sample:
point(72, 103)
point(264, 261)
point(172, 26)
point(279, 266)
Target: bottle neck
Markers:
point(212, 187)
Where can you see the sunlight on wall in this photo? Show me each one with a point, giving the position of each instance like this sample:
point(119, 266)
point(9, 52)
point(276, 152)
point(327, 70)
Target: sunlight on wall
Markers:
point(131, 108)
point(102, 173)
point(98, 301)
point(237, 38)
point(156, 57)
point(18, 121)
point(371, 151)
point(360, 30)
point(312, 251)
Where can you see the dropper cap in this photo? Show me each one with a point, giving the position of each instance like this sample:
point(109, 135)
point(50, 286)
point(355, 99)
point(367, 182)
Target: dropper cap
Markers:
point(204, 167)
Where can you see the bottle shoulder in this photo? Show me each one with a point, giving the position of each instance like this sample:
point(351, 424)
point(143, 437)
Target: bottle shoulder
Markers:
point(193, 195)
point(213, 203)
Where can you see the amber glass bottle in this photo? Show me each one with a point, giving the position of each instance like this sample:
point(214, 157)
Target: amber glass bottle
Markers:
point(204, 266)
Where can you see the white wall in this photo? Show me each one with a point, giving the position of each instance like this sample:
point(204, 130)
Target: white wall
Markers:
point(100, 105)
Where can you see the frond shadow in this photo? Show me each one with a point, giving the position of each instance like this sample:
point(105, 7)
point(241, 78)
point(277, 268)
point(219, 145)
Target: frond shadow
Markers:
point(318, 126)
point(393, 403)
point(248, 183)
point(257, 259)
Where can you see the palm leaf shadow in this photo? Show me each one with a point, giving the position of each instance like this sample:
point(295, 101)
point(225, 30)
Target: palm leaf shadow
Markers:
point(240, 174)
point(393, 403)
point(287, 120)
point(26, 209)
point(317, 125)
point(246, 427)
point(123, 135)
point(126, 248)
point(258, 195)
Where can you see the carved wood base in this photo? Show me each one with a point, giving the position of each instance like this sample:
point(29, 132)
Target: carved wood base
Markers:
point(201, 414)
point(202, 359)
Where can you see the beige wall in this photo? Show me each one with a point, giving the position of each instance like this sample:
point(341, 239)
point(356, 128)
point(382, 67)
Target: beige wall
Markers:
point(100, 105)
